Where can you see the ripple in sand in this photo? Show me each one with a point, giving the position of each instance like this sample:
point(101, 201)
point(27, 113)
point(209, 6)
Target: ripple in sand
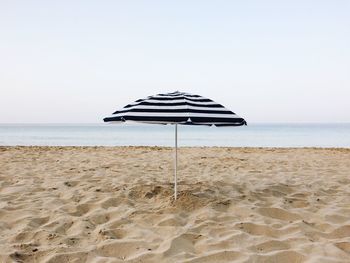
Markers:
point(221, 256)
point(278, 213)
point(345, 246)
point(271, 245)
point(289, 256)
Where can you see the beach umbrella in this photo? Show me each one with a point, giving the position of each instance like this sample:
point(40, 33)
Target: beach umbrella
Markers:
point(176, 108)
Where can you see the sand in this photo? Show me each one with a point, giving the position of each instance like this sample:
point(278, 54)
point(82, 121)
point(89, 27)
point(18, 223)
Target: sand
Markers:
point(115, 204)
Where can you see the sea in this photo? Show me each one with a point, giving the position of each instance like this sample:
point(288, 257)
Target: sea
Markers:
point(253, 135)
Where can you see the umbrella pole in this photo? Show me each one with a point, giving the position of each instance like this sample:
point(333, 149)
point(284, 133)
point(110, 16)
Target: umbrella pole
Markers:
point(175, 165)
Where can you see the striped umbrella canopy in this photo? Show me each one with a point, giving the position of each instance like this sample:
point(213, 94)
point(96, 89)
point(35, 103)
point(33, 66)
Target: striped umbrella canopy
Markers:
point(177, 108)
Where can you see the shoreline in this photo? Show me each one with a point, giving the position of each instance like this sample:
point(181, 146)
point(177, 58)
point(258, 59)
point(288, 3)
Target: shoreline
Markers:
point(171, 147)
point(275, 136)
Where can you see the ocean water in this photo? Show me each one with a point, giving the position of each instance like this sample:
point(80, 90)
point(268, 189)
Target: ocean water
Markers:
point(253, 135)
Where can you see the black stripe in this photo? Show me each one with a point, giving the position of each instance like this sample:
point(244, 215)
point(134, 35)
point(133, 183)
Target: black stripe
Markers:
point(175, 97)
point(194, 96)
point(231, 124)
point(170, 94)
point(240, 121)
point(147, 118)
point(137, 102)
point(200, 100)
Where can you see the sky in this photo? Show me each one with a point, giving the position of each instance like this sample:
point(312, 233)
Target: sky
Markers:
point(268, 61)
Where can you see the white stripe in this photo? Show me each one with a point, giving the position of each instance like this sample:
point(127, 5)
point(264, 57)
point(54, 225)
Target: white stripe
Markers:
point(151, 100)
point(182, 107)
point(196, 98)
point(165, 96)
point(180, 114)
point(148, 122)
point(177, 96)
point(174, 101)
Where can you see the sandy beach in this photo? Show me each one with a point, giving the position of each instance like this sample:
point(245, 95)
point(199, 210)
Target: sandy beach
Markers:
point(115, 204)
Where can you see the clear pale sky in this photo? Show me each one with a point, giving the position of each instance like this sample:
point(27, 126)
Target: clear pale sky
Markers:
point(268, 61)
